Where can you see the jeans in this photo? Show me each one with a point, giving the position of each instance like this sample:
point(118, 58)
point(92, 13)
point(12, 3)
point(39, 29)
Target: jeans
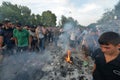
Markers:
point(42, 44)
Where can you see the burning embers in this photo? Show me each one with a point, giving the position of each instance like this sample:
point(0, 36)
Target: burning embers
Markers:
point(68, 58)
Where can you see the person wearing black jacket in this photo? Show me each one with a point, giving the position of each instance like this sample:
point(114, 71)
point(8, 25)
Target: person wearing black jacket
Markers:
point(107, 58)
point(8, 37)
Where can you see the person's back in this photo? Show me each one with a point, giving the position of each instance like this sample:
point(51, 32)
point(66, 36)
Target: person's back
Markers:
point(107, 59)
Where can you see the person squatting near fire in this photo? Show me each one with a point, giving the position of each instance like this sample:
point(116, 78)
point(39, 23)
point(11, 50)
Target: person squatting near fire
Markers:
point(107, 57)
point(22, 38)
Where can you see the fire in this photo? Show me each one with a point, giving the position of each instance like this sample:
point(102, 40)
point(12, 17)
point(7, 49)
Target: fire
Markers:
point(68, 57)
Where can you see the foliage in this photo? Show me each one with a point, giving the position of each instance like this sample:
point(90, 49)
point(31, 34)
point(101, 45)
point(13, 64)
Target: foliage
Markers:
point(23, 15)
point(70, 20)
point(107, 16)
point(48, 18)
point(93, 25)
point(117, 10)
point(111, 15)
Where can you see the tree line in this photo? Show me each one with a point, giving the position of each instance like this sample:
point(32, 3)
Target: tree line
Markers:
point(18, 13)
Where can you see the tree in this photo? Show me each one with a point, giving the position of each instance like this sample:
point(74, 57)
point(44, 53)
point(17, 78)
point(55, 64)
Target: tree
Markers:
point(107, 16)
point(7, 10)
point(14, 13)
point(64, 20)
point(38, 19)
point(117, 10)
point(93, 25)
point(48, 18)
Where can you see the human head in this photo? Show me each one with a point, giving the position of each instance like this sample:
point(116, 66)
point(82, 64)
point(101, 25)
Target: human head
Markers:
point(19, 26)
point(7, 23)
point(27, 27)
point(109, 43)
point(109, 38)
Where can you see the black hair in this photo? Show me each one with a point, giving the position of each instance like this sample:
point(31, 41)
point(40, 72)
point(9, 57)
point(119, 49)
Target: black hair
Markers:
point(109, 38)
point(18, 24)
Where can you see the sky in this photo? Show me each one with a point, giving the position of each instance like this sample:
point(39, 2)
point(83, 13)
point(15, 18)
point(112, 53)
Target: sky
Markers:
point(84, 11)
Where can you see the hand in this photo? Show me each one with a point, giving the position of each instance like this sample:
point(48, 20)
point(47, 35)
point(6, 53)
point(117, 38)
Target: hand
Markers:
point(12, 38)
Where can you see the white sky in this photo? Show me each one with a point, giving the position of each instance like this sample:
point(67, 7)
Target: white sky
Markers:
point(84, 11)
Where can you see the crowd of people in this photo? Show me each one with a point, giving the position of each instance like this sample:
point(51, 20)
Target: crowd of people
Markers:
point(104, 49)
point(17, 38)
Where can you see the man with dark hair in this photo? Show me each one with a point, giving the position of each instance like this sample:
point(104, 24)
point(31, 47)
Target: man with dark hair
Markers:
point(107, 58)
point(8, 36)
point(22, 38)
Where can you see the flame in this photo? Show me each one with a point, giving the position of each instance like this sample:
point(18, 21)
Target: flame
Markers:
point(68, 57)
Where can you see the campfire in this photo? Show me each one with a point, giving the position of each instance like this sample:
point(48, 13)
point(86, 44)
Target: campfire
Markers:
point(67, 58)
point(59, 66)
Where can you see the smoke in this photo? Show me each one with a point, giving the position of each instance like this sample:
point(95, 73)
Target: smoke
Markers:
point(110, 25)
point(20, 66)
point(64, 38)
